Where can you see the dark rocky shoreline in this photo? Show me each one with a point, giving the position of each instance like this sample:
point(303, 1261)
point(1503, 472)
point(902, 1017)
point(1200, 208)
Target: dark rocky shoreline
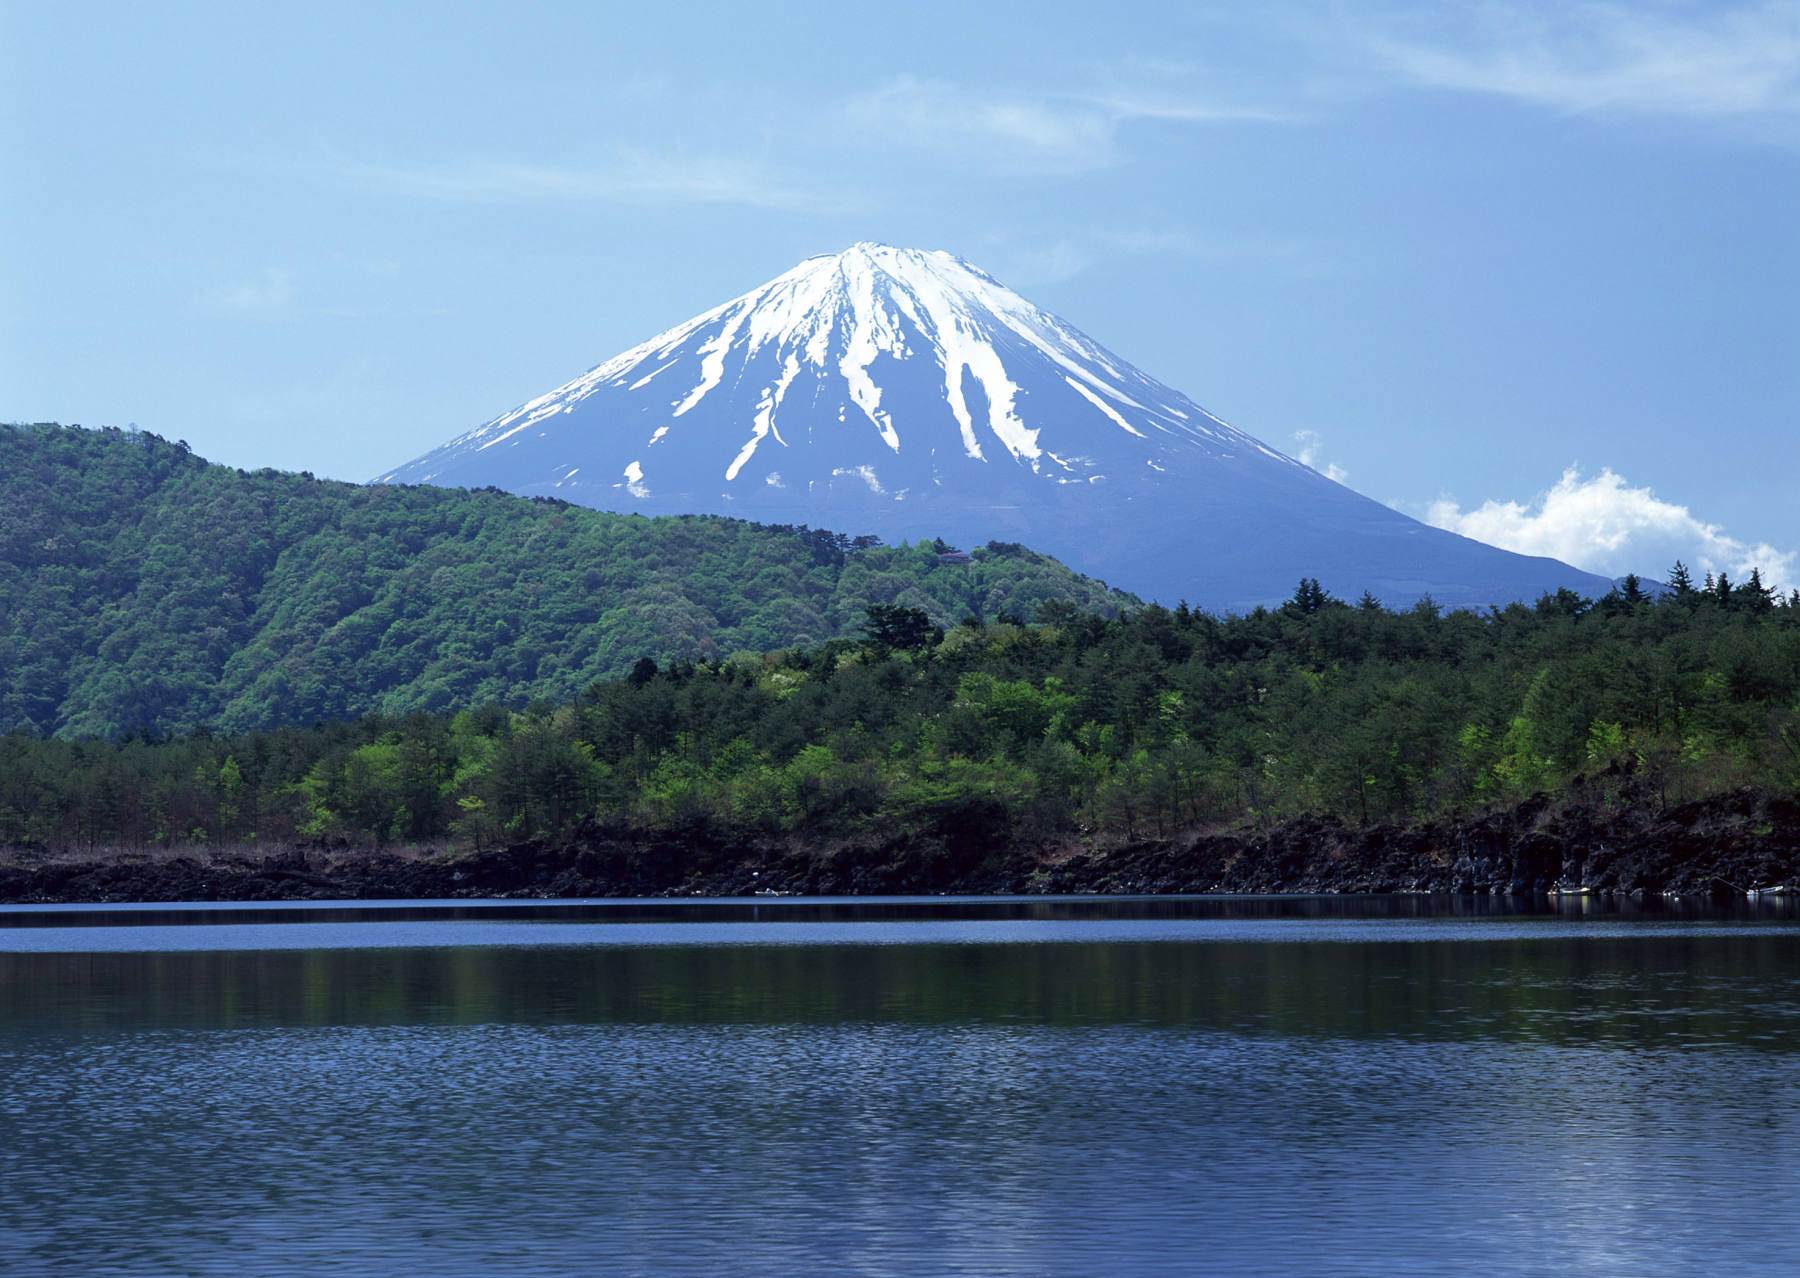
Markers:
point(1720, 846)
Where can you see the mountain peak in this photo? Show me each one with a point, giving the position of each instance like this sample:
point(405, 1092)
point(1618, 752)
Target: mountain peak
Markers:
point(925, 315)
point(906, 392)
point(900, 261)
point(869, 251)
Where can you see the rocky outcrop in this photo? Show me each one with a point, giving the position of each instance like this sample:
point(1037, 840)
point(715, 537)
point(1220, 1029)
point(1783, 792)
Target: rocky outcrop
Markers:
point(1604, 843)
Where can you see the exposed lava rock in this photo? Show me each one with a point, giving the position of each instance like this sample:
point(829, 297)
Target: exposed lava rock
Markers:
point(1724, 844)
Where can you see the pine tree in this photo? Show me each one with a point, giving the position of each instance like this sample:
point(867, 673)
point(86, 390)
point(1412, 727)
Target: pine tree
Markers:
point(1724, 588)
point(1634, 589)
point(1680, 580)
point(1308, 598)
point(1754, 595)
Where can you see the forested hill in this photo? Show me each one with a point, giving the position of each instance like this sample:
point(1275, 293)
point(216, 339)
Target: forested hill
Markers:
point(919, 755)
point(145, 589)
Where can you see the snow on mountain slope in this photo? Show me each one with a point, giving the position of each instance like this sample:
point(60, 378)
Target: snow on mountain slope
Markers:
point(910, 394)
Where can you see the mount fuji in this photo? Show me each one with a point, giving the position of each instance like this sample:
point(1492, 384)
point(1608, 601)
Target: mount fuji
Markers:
point(911, 395)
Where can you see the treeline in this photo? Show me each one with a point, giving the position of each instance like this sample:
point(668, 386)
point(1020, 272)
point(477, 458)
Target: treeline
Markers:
point(144, 589)
point(1071, 727)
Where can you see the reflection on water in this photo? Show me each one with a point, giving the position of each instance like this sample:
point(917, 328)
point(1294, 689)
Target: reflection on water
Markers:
point(1197, 1092)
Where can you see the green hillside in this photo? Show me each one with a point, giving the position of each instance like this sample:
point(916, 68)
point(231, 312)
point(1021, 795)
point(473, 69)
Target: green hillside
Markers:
point(143, 589)
point(1052, 734)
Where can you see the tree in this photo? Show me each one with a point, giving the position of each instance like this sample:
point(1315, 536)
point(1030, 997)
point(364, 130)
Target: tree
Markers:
point(898, 628)
point(230, 789)
point(1755, 596)
point(1309, 597)
point(1054, 612)
point(1680, 580)
point(1634, 589)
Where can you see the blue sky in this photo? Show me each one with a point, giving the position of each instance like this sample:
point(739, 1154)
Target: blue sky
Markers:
point(1532, 272)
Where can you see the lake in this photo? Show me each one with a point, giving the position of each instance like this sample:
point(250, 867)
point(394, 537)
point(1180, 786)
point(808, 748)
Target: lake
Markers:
point(1124, 1086)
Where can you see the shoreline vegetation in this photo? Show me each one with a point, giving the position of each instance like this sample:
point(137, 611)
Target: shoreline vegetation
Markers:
point(1634, 744)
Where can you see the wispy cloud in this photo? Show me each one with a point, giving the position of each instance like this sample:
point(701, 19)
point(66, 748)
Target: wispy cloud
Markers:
point(1312, 453)
point(264, 298)
point(1233, 245)
point(1018, 134)
point(1178, 107)
point(1013, 133)
point(633, 176)
point(1076, 250)
point(1051, 262)
point(1674, 59)
point(1605, 525)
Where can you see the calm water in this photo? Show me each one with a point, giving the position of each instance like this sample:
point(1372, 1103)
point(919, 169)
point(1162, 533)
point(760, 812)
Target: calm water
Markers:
point(1384, 1086)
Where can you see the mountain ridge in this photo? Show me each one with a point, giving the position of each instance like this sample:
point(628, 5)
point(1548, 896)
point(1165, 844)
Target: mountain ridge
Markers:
point(145, 589)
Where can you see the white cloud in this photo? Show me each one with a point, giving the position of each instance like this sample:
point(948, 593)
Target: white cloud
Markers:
point(1703, 61)
point(1312, 446)
point(264, 298)
point(1058, 133)
point(1604, 525)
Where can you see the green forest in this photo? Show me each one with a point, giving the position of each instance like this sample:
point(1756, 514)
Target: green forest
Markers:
point(1074, 727)
point(145, 590)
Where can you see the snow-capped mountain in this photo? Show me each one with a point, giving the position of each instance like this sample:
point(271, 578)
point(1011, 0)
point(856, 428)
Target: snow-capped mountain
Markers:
point(909, 394)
